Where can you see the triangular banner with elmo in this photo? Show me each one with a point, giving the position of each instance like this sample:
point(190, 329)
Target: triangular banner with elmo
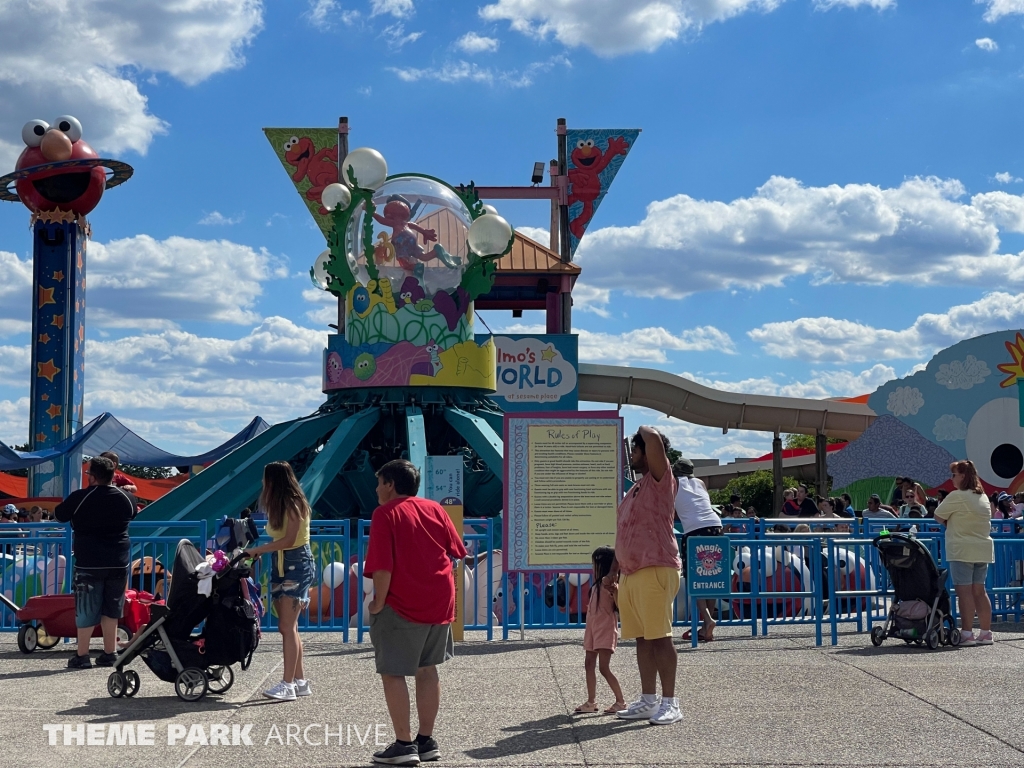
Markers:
point(310, 155)
point(595, 156)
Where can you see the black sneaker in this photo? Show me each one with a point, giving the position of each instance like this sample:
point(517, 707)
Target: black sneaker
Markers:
point(106, 659)
point(398, 754)
point(80, 662)
point(428, 748)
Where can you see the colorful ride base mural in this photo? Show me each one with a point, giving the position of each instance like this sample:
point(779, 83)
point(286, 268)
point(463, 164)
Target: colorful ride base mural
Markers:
point(966, 404)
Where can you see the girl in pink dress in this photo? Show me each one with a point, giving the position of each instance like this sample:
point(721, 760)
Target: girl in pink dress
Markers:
point(601, 634)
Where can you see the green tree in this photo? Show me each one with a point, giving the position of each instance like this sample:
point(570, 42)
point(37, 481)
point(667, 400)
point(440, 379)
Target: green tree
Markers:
point(147, 473)
point(806, 441)
point(756, 490)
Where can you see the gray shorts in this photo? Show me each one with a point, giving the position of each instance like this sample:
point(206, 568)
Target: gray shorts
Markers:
point(401, 647)
point(967, 573)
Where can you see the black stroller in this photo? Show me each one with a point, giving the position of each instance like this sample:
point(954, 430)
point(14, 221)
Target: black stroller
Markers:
point(201, 663)
point(921, 612)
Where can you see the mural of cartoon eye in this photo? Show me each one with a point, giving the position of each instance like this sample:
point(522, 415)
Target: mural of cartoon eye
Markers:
point(290, 143)
point(581, 144)
point(995, 441)
point(33, 131)
point(69, 126)
point(588, 143)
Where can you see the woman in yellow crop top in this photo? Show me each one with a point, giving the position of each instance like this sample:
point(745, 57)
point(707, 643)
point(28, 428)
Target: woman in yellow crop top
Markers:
point(293, 570)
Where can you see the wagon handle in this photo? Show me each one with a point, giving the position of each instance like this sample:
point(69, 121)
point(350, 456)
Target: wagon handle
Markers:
point(9, 603)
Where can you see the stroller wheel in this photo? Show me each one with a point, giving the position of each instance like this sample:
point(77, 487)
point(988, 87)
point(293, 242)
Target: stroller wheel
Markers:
point(117, 685)
point(28, 638)
point(932, 638)
point(191, 684)
point(132, 682)
point(220, 679)
point(943, 636)
point(877, 636)
point(954, 637)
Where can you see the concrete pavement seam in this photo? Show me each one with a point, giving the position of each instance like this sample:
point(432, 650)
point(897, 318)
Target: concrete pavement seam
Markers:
point(942, 709)
point(565, 704)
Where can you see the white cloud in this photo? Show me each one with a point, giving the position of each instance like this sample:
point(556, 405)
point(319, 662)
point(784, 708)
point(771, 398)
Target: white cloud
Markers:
point(878, 5)
point(60, 57)
point(216, 217)
point(15, 293)
point(1005, 177)
point(326, 312)
point(471, 43)
point(816, 384)
point(921, 232)
point(394, 35)
point(400, 9)
point(611, 27)
point(997, 9)
point(586, 298)
point(987, 44)
point(323, 13)
point(139, 282)
point(537, 234)
point(641, 345)
point(462, 71)
point(829, 339)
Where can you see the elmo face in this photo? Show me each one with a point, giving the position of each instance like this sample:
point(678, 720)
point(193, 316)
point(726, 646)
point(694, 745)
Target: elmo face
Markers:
point(74, 189)
point(586, 154)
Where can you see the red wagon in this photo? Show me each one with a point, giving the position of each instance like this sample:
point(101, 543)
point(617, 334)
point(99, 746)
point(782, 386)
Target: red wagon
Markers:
point(47, 619)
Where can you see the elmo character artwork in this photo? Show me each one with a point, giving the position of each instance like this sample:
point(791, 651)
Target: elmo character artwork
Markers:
point(585, 177)
point(59, 171)
point(321, 168)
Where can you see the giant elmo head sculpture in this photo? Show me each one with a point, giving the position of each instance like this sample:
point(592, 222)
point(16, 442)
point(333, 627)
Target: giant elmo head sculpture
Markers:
point(59, 171)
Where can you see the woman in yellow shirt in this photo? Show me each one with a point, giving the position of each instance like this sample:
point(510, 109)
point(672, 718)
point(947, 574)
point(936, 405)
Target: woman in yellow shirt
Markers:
point(293, 571)
point(969, 549)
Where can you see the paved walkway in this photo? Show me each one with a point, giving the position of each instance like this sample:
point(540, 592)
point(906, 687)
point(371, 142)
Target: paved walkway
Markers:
point(767, 702)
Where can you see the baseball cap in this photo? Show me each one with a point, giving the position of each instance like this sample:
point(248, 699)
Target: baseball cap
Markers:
point(1003, 495)
point(10, 510)
point(683, 466)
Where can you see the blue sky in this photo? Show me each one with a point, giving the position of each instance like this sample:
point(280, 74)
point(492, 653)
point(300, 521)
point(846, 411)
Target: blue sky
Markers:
point(824, 193)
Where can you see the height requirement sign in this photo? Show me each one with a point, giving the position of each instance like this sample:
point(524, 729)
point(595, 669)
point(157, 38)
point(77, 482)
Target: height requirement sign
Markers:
point(563, 483)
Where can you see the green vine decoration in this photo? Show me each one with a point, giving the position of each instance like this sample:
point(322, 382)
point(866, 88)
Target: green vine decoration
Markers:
point(469, 198)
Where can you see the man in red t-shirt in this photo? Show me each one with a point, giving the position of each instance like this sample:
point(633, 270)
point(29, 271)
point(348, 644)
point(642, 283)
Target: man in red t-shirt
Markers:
point(412, 545)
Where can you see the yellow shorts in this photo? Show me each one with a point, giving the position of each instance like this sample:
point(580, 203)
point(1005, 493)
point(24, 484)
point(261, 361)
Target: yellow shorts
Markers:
point(645, 602)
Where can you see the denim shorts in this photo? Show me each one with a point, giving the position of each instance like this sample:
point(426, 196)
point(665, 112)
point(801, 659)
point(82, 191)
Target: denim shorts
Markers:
point(99, 592)
point(299, 574)
point(967, 573)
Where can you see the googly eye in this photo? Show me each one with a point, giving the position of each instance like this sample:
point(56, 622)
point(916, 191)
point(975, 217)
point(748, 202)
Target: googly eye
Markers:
point(589, 142)
point(33, 131)
point(69, 126)
point(291, 143)
point(581, 144)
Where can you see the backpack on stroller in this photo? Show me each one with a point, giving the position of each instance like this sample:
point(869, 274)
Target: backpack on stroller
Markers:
point(199, 663)
point(921, 611)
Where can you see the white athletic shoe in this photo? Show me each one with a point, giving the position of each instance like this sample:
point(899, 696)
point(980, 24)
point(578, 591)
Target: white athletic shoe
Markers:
point(281, 692)
point(302, 688)
point(667, 714)
point(639, 710)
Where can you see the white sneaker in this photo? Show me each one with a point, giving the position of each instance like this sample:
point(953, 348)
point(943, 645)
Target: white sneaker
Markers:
point(639, 710)
point(281, 692)
point(302, 688)
point(667, 714)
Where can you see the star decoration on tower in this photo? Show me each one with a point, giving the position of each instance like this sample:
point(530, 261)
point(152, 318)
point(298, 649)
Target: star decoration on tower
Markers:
point(58, 275)
point(44, 338)
point(40, 437)
point(47, 370)
point(58, 321)
point(46, 296)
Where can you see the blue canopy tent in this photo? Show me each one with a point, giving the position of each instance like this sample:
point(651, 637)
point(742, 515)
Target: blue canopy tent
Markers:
point(106, 433)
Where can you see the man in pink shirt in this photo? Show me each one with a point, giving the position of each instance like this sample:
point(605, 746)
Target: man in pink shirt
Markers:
point(647, 563)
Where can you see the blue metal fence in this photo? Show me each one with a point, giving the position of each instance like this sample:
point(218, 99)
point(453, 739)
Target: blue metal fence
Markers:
point(828, 577)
